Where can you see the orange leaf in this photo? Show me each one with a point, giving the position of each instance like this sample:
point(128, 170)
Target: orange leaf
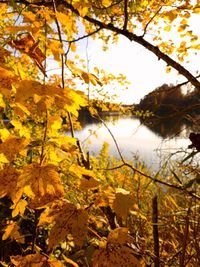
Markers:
point(68, 219)
point(27, 44)
point(123, 203)
point(12, 231)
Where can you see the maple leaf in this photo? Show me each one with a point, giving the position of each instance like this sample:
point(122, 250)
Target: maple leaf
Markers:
point(35, 260)
point(67, 219)
point(41, 184)
point(8, 183)
point(122, 203)
point(12, 146)
point(106, 3)
point(50, 97)
point(115, 251)
point(7, 78)
point(88, 177)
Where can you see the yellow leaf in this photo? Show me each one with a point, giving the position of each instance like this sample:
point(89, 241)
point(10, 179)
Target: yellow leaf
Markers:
point(196, 10)
point(21, 129)
point(53, 125)
point(167, 28)
point(15, 29)
point(68, 219)
point(8, 186)
point(194, 38)
point(196, 46)
point(88, 182)
point(184, 21)
point(181, 28)
point(73, 47)
point(4, 134)
point(56, 49)
point(41, 184)
point(168, 69)
point(170, 15)
point(106, 3)
point(2, 103)
point(123, 203)
point(19, 207)
point(3, 158)
point(67, 260)
point(94, 80)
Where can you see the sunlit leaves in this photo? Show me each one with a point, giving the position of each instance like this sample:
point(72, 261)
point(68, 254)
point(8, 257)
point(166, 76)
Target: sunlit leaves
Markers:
point(167, 28)
point(41, 184)
point(56, 49)
point(67, 219)
point(7, 78)
point(35, 260)
point(40, 98)
point(115, 251)
point(8, 182)
point(106, 3)
point(12, 146)
point(28, 45)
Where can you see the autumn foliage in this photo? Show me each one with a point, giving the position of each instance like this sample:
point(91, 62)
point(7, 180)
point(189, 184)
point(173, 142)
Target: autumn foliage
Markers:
point(59, 206)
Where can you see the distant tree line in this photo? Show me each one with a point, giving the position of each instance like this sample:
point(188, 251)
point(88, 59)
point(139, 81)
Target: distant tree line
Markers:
point(170, 100)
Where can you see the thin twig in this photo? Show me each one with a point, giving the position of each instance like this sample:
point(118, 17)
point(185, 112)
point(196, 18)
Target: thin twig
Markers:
point(153, 179)
point(44, 139)
point(151, 19)
point(114, 139)
point(79, 38)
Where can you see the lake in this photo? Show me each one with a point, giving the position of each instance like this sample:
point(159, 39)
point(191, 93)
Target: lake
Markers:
point(151, 144)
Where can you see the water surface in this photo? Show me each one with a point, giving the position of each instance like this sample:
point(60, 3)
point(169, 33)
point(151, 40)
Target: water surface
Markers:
point(133, 138)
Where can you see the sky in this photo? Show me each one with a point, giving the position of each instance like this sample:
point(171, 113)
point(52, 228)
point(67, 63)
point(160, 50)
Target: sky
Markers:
point(141, 67)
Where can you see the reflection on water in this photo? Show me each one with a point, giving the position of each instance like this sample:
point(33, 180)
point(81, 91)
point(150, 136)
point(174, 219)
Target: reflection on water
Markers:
point(134, 138)
point(171, 127)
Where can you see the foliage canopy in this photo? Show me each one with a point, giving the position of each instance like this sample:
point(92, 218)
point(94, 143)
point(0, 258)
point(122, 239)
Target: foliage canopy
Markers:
point(60, 207)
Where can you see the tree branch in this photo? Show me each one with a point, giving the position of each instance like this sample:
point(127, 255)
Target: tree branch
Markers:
point(131, 36)
point(79, 38)
point(125, 14)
